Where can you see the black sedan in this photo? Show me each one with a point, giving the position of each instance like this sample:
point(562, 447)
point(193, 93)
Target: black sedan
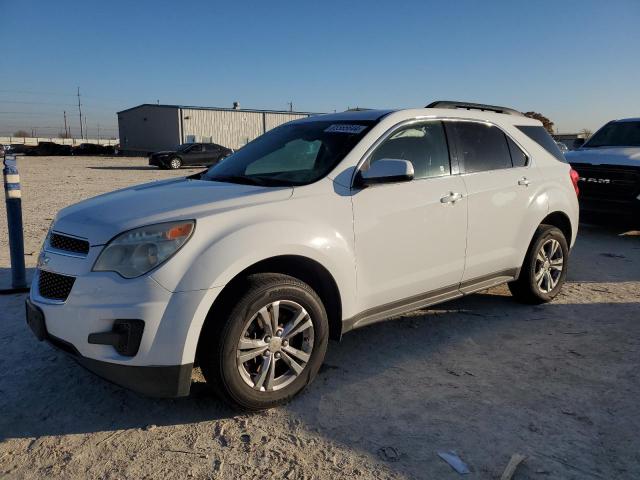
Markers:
point(190, 154)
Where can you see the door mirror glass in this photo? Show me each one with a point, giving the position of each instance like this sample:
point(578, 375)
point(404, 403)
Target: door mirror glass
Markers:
point(387, 170)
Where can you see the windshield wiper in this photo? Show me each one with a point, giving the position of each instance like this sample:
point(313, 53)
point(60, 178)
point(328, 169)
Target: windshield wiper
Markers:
point(236, 179)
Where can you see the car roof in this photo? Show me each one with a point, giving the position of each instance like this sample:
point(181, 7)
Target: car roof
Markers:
point(399, 114)
point(636, 119)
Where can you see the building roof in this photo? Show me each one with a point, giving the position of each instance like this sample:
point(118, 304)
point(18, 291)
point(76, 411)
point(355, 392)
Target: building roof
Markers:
point(191, 107)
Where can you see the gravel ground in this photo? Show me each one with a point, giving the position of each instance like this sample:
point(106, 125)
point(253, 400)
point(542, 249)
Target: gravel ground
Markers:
point(482, 376)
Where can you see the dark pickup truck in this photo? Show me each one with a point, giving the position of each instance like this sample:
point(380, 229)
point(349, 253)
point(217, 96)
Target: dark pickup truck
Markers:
point(609, 168)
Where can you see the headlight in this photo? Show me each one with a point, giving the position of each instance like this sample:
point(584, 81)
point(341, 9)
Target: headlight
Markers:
point(138, 251)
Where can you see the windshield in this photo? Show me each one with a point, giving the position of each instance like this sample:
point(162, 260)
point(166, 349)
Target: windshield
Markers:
point(616, 134)
point(292, 154)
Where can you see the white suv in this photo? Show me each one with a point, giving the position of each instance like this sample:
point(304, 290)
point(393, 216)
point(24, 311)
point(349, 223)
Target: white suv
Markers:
point(318, 227)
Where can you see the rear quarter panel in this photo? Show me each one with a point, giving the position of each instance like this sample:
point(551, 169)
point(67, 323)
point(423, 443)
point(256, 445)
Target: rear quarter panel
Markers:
point(555, 186)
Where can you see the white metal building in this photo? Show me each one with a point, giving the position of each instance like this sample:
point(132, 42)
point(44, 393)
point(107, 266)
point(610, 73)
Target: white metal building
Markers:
point(150, 127)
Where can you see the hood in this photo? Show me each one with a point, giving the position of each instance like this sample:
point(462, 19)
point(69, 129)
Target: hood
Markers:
point(623, 156)
point(101, 218)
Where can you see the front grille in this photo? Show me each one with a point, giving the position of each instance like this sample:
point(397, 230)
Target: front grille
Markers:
point(55, 286)
point(68, 244)
point(608, 182)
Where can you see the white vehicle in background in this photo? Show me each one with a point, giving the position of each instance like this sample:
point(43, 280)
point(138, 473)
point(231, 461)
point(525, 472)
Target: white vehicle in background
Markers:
point(316, 228)
point(609, 168)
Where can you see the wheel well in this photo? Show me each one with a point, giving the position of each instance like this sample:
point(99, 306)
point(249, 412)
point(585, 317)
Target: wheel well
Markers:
point(302, 268)
point(561, 221)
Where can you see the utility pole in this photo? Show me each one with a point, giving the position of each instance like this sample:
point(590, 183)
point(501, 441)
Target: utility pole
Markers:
point(98, 132)
point(66, 132)
point(80, 113)
point(86, 130)
point(290, 106)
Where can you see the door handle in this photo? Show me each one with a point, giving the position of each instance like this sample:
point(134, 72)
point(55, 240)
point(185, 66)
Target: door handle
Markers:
point(524, 181)
point(451, 197)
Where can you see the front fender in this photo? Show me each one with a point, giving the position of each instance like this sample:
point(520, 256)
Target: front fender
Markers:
point(214, 264)
point(212, 267)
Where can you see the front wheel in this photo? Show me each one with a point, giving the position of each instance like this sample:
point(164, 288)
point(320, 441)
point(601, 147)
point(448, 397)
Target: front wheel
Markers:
point(175, 163)
point(544, 269)
point(268, 346)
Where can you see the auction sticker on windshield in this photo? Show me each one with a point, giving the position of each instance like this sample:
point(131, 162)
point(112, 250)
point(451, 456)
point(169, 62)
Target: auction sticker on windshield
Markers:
point(342, 128)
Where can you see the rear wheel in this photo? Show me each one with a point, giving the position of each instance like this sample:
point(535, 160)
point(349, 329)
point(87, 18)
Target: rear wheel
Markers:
point(544, 269)
point(268, 346)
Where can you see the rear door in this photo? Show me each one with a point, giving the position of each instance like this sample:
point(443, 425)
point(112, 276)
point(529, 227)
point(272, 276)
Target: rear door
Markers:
point(499, 183)
point(410, 237)
point(212, 153)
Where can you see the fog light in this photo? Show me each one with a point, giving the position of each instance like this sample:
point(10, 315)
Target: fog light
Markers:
point(125, 337)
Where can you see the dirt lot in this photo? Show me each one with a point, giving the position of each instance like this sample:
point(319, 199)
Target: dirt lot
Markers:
point(482, 376)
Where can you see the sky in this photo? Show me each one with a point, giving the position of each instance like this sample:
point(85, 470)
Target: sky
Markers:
point(577, 62)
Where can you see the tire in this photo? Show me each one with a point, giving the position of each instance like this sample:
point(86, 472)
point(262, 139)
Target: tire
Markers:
point(175, 163)
point(251, 385)
point(544, 269)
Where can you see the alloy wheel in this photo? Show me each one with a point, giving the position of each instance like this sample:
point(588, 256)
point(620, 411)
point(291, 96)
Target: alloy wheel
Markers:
point(275, 346)
point(548, 266)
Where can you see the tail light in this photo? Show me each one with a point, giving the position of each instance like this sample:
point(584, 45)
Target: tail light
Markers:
point(574, 179)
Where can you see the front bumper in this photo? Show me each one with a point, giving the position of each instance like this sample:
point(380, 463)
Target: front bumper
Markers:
point(158, 161)
point(607, 188)
point(610, 206)
point(162, 364)
point(153, 381)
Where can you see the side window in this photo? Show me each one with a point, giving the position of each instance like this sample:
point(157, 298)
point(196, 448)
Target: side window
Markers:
point(481, 147)
point(518, 157)
point(542, 138)
point(424, 145)
point(195, 149)
point(211, 147)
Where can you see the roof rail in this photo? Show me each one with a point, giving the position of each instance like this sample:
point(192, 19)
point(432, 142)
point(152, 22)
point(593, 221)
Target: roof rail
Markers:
point(474, 106)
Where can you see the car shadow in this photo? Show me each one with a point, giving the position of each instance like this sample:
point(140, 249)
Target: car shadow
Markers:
point(99, 405)
point(486, 377)
point(606, 252)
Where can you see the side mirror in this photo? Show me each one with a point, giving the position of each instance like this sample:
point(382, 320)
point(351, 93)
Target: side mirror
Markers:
point(578, 142)
point(386, 170)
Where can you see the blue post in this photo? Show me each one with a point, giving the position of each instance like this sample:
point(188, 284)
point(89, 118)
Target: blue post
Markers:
point(13, 199)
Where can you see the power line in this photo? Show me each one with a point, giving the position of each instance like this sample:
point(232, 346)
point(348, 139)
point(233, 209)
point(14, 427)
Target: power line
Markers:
point(36, 103)
point(18, 125)
point(25, 92)
point(80, 112)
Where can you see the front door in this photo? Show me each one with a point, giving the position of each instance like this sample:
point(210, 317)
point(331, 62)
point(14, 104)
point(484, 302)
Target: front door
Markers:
point(410, 237)
point(194, 156)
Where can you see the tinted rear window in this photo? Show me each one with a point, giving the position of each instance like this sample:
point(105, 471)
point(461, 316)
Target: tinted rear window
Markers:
point(542, 138)
point(481, 147)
